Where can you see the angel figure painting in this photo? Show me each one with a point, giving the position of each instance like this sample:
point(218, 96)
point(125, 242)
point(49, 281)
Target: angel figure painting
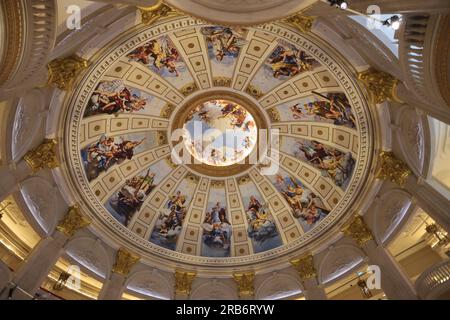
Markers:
point(224, 45)
point(217, 230)
point(285, 61)
point(112, 97)
point(129, 199)
point(106, 152)
point(306, 206)
point(161, 56)
point(331, 162)
point(170, 221)
point(332, 107)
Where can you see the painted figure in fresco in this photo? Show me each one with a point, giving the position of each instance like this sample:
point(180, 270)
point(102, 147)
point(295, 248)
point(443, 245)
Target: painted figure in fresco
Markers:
point(112, 97)
point(223, 41)
point(100, 156)
point(217, 228)
point(305, 204)
point(170, 221)
point(160, 54)
point(289, 61)
point(331, 162)
point(335, 108)
point(237, 115)
point(130, 197)
point(260, 224)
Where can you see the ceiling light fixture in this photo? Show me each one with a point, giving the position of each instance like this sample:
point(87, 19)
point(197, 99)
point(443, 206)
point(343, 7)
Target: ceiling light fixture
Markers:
point(394, 22)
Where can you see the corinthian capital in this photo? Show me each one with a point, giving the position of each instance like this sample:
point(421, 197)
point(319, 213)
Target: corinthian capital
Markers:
point(245, 283)
point(73, 221)
point(42, 157)
point(305, 267)
point(381, 85)
point(63, 72)
point(392, 168)
point(358, 231)
point(125, 260)
point(183, 282)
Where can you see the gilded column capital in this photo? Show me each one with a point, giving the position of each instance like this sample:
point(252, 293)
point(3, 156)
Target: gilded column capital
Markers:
point(125, 260)
point(73, 221)
point(305, 267)
point(43, 156)
point(381, 85)
point(183, 282)
point(358, 230)
point(62, 72)
point(150, 15)
point(245, 282)
point(392, 168)
point(301, 22)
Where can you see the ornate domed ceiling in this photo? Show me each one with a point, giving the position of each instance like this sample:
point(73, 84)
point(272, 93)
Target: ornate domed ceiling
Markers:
point(245, 199)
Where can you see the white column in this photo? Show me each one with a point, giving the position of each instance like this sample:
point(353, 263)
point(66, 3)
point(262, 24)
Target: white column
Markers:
point(113, 288)
point(434, 203)
point(312, 291)
point(35, 268)
point(394, 282)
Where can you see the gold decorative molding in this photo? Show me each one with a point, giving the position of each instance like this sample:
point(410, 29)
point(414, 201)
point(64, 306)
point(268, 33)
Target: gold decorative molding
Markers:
point(189, 89)
point(42, 157)
point(274, 115)
point(245, 282)
point(381, 85)
point(125, 260)
point(301, 22)
point(305, 267)
point(62, 72)
point(167, 111)
point(73, 221)
point(183, 282)
point(149, 15)
point(392, 168)
point(254, 91)
point(162, 138)
point(221, 82)
point(358, 230)
point(218, 184)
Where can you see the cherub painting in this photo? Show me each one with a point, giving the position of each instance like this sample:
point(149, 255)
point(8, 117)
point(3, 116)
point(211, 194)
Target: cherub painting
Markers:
point(224, 45)
point(111, 97)
point(331, 162)
point(170, 221)
point(106, 152)
point(216, 232)
point(306, 205)
point(332, 107)
point(128, 200)
point(288, 61)
point(162, 57)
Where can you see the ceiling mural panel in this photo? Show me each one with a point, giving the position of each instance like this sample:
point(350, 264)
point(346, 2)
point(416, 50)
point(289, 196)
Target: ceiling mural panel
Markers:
point(219, 211)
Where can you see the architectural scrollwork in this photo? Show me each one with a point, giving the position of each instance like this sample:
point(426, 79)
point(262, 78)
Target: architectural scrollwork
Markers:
point(358, 231)
point(73, 221)
point(125, 260)
point(381, 85)
point(62, 72)
point(150, 15)
point(305, 267)
point(393, 169)
point(43, 157)
point(183, 282)
point(245, 281)
point(301, 22)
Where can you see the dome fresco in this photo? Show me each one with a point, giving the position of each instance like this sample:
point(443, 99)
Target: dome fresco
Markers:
point(223, 86)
